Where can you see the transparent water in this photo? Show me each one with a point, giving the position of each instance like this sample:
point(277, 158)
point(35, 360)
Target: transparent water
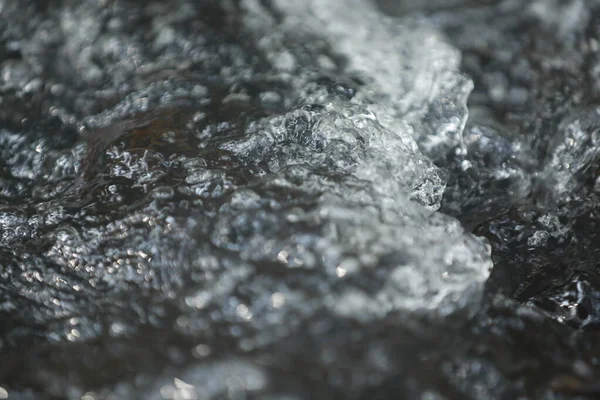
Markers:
point(309, 200)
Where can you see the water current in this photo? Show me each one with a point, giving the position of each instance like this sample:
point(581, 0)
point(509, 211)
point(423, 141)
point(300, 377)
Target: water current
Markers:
point(315, 199)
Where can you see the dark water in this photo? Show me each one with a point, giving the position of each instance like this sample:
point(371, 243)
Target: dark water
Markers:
point(299, 200)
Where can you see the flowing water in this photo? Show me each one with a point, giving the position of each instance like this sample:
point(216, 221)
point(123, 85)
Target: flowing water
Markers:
point(267, 199)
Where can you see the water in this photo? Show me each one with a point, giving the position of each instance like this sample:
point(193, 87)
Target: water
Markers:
point(274, 200)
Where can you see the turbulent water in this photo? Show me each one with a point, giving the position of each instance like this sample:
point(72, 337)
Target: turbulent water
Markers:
point(273, 199)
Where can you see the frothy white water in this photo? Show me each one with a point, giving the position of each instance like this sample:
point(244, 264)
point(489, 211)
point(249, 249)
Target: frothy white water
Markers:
point(413, 97)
